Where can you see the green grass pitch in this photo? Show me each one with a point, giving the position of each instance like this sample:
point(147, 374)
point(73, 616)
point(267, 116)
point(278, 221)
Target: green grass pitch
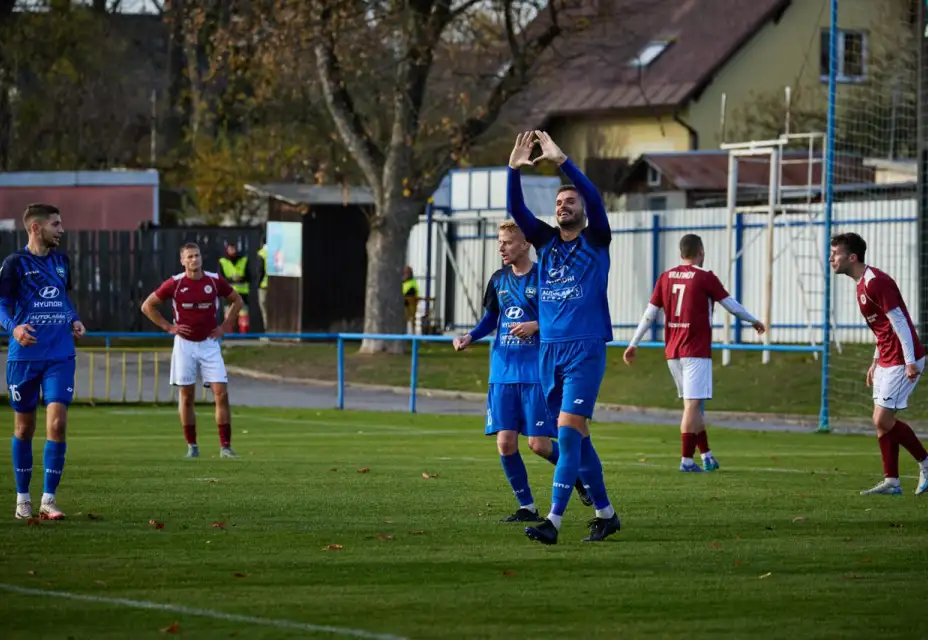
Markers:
point(778, 544)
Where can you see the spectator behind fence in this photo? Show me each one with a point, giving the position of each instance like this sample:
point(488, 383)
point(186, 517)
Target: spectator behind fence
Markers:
point(410, 298)
point(234, 268)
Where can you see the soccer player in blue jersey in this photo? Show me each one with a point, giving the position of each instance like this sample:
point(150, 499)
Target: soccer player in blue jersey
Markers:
point(35, 309)
point(515, 401)
point(574, 322)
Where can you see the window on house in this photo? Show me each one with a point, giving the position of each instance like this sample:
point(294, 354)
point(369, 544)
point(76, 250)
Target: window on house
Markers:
point(654, 177)
point(649, 53)
point(657, 203)
point(851, 58)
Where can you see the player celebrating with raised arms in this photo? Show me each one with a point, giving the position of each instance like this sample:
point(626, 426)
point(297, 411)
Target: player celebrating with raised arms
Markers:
point(898, 361)
point(686, 293)
point(35, 309)
point(515, 400)
point(575, 325)
point(195, 296)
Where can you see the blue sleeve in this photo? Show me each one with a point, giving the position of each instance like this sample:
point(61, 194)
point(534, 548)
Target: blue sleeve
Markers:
point(536, 231)
point(8, 280)
point(595, 208)
point(486, 326)
point(490, 318)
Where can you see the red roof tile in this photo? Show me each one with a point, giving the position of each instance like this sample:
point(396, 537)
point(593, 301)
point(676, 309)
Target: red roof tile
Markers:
point(593, 71)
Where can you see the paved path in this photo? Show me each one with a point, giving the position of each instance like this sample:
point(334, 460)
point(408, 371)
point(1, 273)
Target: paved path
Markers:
point(266, 391)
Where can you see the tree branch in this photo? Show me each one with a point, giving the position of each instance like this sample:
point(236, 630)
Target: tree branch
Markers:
point(513, 81)
point(341, 106)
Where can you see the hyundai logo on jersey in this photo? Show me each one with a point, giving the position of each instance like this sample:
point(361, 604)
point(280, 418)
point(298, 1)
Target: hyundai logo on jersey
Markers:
point(48, 292)
point(514, 313)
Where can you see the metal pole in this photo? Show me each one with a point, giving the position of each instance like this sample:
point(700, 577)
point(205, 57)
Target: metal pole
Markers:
point(341, 373)
point(729, 237)
point(413, 375)
point(771, 241)
point(427, 314)
point(823, 424)
point(922, 133)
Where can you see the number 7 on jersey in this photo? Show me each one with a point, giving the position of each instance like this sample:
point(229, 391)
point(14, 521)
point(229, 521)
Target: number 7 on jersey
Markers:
point(677, 291)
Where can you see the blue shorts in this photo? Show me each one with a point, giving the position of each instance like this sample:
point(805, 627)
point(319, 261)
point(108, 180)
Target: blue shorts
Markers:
point(571, 373)
point(24, 379)
point(519, 407)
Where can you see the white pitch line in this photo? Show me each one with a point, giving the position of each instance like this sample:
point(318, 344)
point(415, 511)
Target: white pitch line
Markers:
point(203, 613)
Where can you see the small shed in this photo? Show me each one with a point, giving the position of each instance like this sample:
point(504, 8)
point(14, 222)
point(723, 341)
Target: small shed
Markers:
point(317, 256)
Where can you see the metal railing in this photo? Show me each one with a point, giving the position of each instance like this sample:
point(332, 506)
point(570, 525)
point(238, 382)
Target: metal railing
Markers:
point(130, 367)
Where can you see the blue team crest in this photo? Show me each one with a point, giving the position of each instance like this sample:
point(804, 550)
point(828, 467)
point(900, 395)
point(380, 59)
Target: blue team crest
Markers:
point(60, 271)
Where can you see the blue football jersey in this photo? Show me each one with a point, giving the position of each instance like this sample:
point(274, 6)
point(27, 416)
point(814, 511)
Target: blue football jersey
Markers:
point(513, 299)
point(574, 275)
point(34, 290)
point(573, 281)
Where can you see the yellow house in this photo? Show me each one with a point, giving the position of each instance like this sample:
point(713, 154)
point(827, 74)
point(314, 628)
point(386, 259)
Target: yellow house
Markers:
point(654, 80)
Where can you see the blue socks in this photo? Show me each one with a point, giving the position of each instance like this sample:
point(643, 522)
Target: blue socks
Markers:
point(517, 475)
point(22, 464)
point(565, 473)
point(591, 472)
point(54, 464)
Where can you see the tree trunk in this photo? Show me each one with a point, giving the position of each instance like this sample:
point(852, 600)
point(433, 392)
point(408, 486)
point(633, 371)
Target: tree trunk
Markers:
point(386, 257)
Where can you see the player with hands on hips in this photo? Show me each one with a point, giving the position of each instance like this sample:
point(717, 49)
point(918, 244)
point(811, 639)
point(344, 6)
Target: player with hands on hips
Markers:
point(195, 296)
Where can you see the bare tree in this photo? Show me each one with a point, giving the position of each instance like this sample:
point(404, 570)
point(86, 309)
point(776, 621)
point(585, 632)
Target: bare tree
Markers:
point(411, 86)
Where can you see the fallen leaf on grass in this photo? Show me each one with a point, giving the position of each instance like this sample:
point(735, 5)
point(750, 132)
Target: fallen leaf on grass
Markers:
point(33, 522)
point(31, 572)
point(426, 476)
point(388, 522)
point(174, 628)
point(896, 525)
point(245, 431)
point(799, 519)
point(738, 563)
point(642, 459)
point(156, 524)
point(737, 537)
point(766, 575)
point(417, 532)
point(93, 516)
point(239, 574)
point(364, 470)
point(509, 572)
point(716, 545)
point(333, 547)
point(100, 582)
point(218, 525)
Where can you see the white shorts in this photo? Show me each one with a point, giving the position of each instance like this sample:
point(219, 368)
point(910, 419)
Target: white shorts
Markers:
point(190, 358)
point(891, 389)
point(693, 377)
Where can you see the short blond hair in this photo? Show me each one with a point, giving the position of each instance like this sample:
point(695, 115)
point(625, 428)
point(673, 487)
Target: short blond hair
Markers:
point(509, 225)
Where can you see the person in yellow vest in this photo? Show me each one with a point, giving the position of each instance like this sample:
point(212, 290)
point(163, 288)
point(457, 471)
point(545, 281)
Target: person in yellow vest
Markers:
point(410, 297)
point(234, 268)
point(262, 282)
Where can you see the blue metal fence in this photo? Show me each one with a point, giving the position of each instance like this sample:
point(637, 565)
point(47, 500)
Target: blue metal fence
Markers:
point(340, 339)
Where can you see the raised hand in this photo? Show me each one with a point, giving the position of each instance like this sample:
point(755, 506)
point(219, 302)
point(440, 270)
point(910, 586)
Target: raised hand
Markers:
point(522, 151)
point(549, 150)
